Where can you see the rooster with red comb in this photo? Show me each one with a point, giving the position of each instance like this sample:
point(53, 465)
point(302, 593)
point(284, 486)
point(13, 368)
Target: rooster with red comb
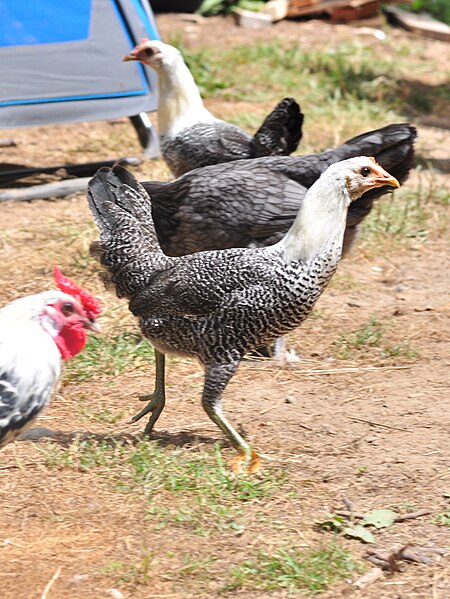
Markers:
point(36, 333)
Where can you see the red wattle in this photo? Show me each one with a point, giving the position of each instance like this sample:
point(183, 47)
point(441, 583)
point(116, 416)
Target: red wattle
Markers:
point(70, 341)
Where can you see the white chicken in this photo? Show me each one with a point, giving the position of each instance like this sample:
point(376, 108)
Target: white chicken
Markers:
point(36, 332)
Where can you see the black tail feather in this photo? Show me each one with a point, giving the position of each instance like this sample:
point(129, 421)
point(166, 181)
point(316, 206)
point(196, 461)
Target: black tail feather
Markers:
point(128, 246)
point(280, 132)
point(114, 194)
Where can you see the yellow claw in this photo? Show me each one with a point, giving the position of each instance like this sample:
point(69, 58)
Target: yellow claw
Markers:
point(242, 464)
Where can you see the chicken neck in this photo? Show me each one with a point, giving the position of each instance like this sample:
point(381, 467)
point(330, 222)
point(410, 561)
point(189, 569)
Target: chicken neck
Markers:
point(180, 104)
point(319, 226)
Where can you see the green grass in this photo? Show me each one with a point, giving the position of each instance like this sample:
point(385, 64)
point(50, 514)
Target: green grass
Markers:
point(341, 81)
point(215, 7)
point(84, 455)
point(399, 350)
point(204, 494)
point(100, 415)
point(310, 571)
point(371, 335)
point(195, 491)
point(406, 215)
point(136, 573)
point(110, 355)
point(342, 73)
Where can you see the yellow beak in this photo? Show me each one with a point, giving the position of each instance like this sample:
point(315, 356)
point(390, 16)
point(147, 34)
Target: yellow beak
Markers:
point(392, 181)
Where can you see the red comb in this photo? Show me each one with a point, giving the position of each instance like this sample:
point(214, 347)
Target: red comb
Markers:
point(90, 304)
point(144, 40)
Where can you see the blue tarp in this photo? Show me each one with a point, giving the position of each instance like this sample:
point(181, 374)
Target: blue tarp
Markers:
point(61, 60)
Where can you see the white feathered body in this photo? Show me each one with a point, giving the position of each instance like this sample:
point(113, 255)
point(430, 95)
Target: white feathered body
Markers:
point(30, 363)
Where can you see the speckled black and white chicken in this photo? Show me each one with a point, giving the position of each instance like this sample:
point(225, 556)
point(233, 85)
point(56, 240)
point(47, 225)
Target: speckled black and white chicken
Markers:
point(36, 333)
point(252, 203)
point(190, 136)
point(218, 305)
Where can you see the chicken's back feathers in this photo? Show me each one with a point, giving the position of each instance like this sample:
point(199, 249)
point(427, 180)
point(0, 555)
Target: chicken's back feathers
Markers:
point(251, 203)
point(204, 144)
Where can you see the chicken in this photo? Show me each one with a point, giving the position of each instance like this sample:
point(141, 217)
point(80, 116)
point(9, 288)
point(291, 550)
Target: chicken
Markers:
point(191, 136)
point(37, 331)
point(252, 203)
point(217, 305)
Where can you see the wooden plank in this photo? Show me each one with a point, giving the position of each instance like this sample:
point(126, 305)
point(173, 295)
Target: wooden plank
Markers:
point(352, 12)
point(418, 23)
point(58, 189)
point(252, 19)
point(277, 9)
point(299, 8)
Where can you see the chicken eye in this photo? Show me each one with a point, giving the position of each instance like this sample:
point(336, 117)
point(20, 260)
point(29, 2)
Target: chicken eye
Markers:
point(148, 52)
point(67, 309)
point(365, 171)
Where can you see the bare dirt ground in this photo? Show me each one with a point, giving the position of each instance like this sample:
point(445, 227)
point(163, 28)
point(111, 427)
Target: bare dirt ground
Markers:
point(369, 423)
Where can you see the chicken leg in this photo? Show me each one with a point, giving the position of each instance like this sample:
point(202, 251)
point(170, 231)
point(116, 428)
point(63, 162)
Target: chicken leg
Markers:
point(157, 398)
point(217, 377)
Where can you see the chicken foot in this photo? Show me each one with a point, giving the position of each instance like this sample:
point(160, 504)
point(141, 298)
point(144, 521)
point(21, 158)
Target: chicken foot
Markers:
point(157, 399)
point(277, 351)
point(217, 377)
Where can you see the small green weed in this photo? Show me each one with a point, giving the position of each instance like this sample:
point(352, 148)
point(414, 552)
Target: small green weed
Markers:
point(310, 571)
point(138, 573)
point(371, 335)
point(375, 519)
point(193, 566)
point(399, 350)
point(442, 519)
point(368, 336)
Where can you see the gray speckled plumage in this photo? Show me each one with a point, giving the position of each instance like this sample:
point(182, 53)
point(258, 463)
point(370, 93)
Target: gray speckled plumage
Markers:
point(253, 203)
point(217, 305)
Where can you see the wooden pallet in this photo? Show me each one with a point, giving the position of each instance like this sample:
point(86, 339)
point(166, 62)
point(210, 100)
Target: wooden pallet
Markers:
point(300, 8)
